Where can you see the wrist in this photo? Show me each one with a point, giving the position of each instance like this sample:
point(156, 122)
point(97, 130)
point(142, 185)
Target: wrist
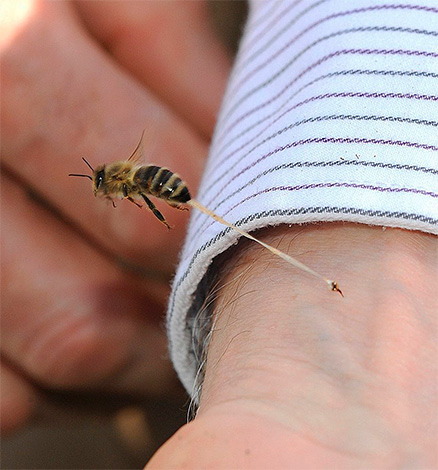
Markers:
point(298, 377)
point(346, 373)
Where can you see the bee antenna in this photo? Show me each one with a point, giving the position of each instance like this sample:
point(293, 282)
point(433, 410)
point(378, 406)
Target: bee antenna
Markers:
point(86, 162)
point(84, 176)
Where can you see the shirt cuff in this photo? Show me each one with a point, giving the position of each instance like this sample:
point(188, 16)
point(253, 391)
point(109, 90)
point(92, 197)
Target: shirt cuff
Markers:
point(330, 114)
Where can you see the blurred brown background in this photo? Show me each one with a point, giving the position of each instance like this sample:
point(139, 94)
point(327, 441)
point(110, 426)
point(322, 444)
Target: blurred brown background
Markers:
point(106, 432)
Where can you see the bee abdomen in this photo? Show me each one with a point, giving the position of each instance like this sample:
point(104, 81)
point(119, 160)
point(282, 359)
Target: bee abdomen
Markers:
point(162, 183)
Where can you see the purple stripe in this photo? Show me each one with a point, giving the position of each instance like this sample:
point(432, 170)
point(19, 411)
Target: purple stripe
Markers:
point(309, 164)
point(409, 96)
point(383, 52)
point(391, 73)
point(380, 189)
point(319, 22)
point(264, 13)
point(361, 29)
point(317, 140)
point(271, 26)
point(352, 185)
point(260, 21)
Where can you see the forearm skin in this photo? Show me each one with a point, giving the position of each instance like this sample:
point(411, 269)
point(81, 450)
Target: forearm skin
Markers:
point(298, 377)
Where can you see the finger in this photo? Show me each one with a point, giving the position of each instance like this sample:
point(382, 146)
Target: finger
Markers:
point(18, 400)
point(171, 47)
point(69, 318)
point(63, 98)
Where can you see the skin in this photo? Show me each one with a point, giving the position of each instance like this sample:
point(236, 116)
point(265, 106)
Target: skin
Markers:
point(84, 79)
point(299, 378)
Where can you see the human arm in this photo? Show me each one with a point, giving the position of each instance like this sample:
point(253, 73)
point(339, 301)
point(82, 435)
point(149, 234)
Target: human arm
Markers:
point(328, 117)
point(297, 377)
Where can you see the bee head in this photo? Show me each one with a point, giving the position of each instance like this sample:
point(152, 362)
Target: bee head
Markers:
point(98, 179)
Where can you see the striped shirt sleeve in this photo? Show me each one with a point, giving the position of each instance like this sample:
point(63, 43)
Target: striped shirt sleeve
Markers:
point(330, 114)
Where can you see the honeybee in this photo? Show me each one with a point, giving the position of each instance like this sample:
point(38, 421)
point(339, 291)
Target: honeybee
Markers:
point(130, 180)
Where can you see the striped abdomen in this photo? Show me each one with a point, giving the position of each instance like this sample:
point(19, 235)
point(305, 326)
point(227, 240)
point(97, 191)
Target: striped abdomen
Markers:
point(162, 183)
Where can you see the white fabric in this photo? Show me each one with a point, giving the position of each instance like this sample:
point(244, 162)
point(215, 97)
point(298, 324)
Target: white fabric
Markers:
point(331, 114)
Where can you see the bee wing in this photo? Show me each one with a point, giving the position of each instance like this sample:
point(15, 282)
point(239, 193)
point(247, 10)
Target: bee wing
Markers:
point(137, 154)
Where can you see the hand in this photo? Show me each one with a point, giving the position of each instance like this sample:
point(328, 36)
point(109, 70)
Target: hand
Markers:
point(298, 377)
point(80, 79)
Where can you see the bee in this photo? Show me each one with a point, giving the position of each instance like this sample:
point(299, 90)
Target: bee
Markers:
point(129, 180)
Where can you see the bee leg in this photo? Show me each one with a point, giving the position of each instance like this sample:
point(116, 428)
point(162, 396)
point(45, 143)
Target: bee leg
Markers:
point(180, 207)
point(129, 198)
point(155, 211)
point(112, 201)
